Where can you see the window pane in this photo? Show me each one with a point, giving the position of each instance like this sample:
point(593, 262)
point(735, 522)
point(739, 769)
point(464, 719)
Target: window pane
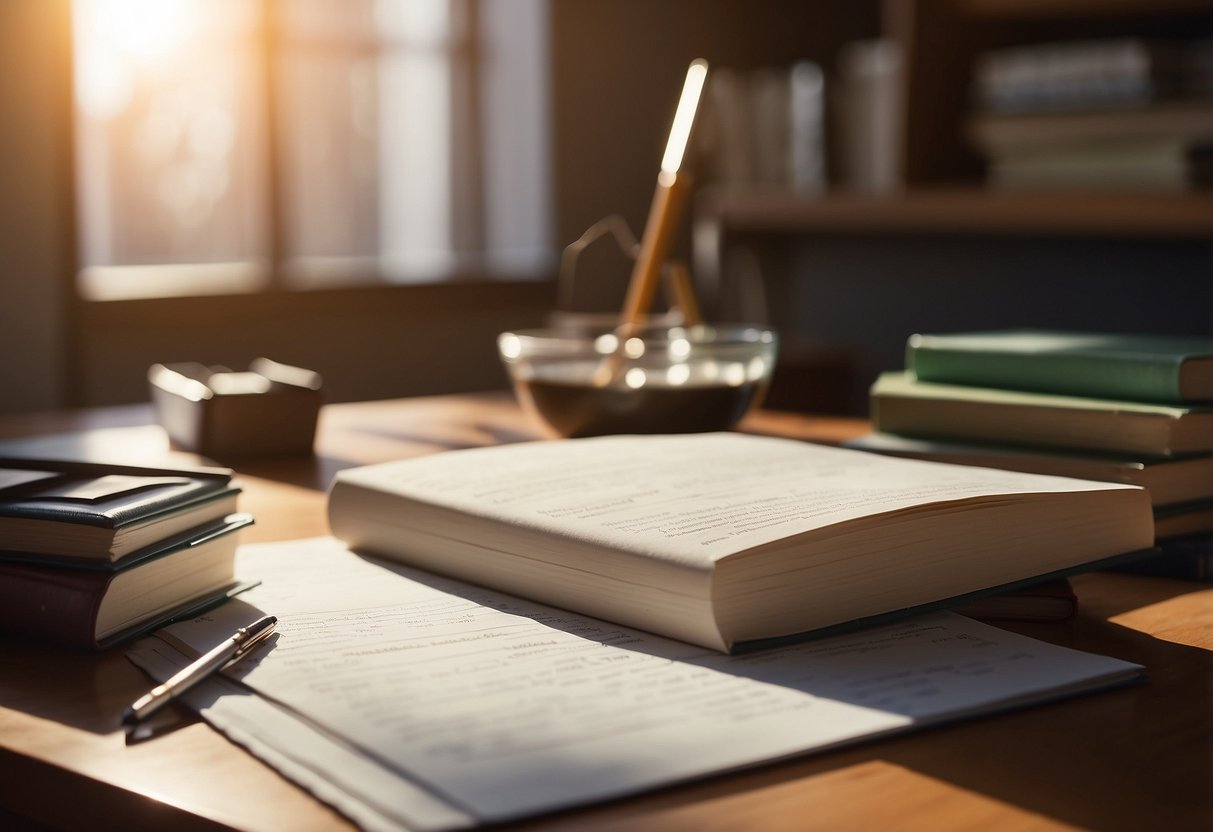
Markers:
point(514, 96)
point(312, 141)
point(366, 125)
point(418, 23)
point(169, 143)
point(416, 139)
point(416, 165)
point(330, 142)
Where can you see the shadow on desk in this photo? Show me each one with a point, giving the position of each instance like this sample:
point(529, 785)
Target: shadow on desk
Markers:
point(379, 440)
point(70, 687)
point(318, 471)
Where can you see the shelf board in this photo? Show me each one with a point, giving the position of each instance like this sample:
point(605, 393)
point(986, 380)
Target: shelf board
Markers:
point(966, 211)
point(1061, 9)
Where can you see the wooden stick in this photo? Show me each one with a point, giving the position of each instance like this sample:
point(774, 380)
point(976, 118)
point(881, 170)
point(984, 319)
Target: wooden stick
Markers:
point(658, 231)
point(683, 292)
point(668, 199)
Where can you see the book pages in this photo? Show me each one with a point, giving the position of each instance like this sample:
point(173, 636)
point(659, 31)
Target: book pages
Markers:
point(685, 499)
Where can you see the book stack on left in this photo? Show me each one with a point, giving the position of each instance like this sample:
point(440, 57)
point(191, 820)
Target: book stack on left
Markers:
point(1136, 409)
point(92, 554)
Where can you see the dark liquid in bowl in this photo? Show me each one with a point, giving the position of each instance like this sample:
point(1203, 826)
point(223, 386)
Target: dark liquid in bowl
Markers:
point(578, 408)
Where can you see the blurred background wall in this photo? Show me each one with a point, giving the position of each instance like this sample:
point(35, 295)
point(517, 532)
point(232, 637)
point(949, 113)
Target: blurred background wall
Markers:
point(846, 261)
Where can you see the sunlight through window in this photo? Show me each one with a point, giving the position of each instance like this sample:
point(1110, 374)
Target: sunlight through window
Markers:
point(225, 145)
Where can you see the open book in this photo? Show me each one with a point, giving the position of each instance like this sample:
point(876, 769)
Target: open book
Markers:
point(720, 539)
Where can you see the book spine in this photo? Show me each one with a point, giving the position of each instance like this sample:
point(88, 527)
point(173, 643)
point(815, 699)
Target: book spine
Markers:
point(1130, 379)
point(51, 604)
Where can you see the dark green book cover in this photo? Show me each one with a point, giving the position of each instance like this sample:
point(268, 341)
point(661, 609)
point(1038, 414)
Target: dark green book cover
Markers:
point(1144, 368)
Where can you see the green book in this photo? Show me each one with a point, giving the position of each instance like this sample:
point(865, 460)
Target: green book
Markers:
point(904, 405)
point(1145, 368)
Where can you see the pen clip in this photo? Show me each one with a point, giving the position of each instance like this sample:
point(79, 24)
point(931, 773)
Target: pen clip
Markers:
point(252, 635)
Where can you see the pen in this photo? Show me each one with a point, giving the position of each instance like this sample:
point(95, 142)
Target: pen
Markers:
point(229, 651)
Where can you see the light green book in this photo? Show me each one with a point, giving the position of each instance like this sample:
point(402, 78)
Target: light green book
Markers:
point(904, 405)
point(1143, 368)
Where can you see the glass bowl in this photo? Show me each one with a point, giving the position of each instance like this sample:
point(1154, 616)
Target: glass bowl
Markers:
point(590, 381)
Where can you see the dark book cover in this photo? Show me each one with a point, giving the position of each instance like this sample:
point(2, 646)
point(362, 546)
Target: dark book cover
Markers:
point(100, 494)
point(66, 510)
point(61, 604)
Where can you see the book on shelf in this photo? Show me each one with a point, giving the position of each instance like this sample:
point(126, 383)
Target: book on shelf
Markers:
point(97, 604)
point(902, 404)
point(103, 513)
point(1124, 114)
point(727, 539)
point(1186, 124)
point(1091, 74)
point(1144, 368)
point(765, 128)
point(1170, 481)
point(1146, 165)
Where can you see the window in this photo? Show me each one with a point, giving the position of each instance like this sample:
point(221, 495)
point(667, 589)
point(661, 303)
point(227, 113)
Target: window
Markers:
point(232, 145)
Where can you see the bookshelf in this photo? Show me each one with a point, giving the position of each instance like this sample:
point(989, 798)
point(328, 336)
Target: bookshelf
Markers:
point(849, 274)
point(943, 174)
point(961, 209)
point(1083, 9)
point(941, 41)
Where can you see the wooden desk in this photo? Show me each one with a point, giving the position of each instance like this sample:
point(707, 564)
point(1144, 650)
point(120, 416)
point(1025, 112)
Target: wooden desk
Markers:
point(1135, 758)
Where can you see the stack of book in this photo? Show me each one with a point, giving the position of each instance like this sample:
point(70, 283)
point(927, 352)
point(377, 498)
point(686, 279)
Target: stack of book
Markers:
point(93, 554)
point(1119, 408)
point(1123, 113)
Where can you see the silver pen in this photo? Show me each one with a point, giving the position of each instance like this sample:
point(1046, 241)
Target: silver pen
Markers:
point(229, 651)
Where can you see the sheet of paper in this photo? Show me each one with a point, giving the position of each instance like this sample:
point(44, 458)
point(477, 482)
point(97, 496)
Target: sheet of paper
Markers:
point(377, 798)
point(507, 708)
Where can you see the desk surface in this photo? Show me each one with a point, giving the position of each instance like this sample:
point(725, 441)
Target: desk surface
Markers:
point(1134, 758)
